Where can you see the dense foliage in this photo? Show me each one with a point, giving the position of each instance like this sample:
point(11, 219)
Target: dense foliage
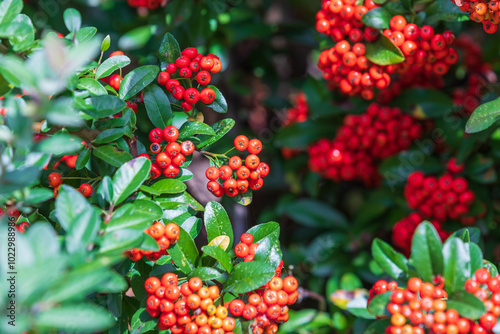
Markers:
point(142, 143)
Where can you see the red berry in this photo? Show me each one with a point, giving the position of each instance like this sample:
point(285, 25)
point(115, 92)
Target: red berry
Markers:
point(191, 95)
point(207, 95)
point(156, 135)
point(55, 180)
point(187, 147)
point(203, 78)
point(171, 133)
point(85, 189)
point(163, 78)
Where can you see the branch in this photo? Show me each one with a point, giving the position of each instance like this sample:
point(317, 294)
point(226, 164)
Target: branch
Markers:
point(87, 135)
point(132, 144)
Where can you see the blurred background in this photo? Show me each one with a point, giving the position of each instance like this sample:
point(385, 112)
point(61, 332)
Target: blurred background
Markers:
point(275, 92)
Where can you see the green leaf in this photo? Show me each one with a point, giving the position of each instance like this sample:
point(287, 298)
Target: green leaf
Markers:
point(110, 65)
point(192, 225)
point(442, 10)
point(79, 219)
point(350, 282)
point(72, 19)
point(262, 231)
point(165, 186)
point(158, 106)
point(178, 199)
point(104, 106)
point(248, 276)
point(85, 34)
point(378, 305)
point(117, 242)
point(129, 177)
point(378, 326)
point(84, 230)
point(9, 9)
point(105, 189)
point(106, 43)
point(138, 215)
point(467, 305)
point(26, 38)
point(484, 116)
point(221, 128)
point(184, 253)
point(109, 135)
point(313, 213)
point(61, 144)
point(219, 105)
point(457, 266)
point(220, 255)
point(149, 243)
point(473, 232)
point(377, 18)
point(38, 195)
point(4, 86)
point(426, 252)
point(70, 203)
point(269, 251)
point(169, 50)
point(205, 273)
point(148, 208)
point(74, 318)
point(112, 155)
point(217, 222)
point(244, 198)
point(392, 262)
point(138, 79)
point(476, 257)
point(137, 38)
point(384, 52)
point(425, 103)
point(93, 86)
point(189, 129)
point(142, 322)
point(15, 71)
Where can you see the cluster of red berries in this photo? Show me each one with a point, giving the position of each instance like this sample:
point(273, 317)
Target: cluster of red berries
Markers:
point(345, 67)
point(341, 19)
point(239, 175)
point(446, 197)
point(169, 159)
point(13, 215)
point(191, 65)
point(403, 230)
point(487, 12)
point(422, 47)
point(267, 307)
point(55, 181)
point(487, 289)
point(299, 112)
point(361, 142)
point(149, 4)
point(246, 248)
point(165, 235)
point(186, 309)
point(421, 306)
